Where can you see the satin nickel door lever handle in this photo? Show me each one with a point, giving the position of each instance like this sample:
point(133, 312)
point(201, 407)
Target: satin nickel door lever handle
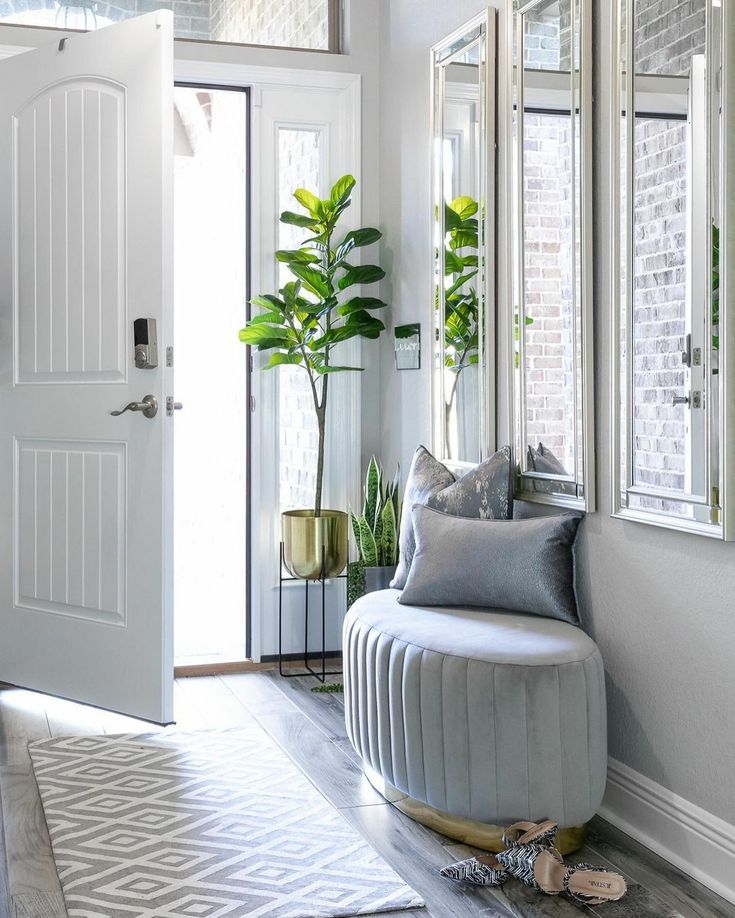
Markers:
point(148, 407)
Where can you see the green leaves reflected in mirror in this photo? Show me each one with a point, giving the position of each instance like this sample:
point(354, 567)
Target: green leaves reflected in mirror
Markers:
point(461, 304)
point(319, 309)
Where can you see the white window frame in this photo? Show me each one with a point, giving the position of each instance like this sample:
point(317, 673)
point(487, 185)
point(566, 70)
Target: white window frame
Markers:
point(716, 504)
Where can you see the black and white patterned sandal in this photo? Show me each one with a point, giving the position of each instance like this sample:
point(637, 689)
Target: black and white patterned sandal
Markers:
point(544, 869)
point(485, 870)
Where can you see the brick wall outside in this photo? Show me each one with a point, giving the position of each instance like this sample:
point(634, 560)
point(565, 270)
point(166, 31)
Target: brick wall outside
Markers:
point(548, 215)
point(668, 32)
point(547, 230)
point(296, 23)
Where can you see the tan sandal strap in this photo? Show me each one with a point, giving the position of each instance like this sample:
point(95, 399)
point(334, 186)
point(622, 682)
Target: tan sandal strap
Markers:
point(524, 832)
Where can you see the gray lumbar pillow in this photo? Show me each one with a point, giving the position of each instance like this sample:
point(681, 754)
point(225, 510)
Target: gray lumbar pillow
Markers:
point(519, 565)
point(483, 493)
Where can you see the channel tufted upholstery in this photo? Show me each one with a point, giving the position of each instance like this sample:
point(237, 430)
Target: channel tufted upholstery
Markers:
point(487, 715)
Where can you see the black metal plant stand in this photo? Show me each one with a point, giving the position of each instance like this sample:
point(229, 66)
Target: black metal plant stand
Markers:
point(321, 676)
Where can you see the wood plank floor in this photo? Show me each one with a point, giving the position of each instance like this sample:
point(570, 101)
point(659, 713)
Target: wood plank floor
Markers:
point(310, 728)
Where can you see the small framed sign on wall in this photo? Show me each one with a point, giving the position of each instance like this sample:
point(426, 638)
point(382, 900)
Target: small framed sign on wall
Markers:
point(407, 343)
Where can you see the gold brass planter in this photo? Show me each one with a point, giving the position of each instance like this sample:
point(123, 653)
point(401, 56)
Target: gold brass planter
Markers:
point(467, 831)
point(308, 540)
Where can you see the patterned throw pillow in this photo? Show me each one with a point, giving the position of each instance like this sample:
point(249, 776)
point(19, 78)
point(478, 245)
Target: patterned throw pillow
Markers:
point(485, 492)
point(426, 477)
point(541, 459)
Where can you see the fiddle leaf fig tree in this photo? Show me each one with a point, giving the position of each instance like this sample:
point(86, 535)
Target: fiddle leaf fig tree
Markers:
point(319, 309)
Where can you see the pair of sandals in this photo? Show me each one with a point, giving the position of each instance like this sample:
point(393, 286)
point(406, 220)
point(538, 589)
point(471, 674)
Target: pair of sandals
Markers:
point(531, 857)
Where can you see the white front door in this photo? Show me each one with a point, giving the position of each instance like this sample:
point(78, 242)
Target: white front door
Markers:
point(85, 249)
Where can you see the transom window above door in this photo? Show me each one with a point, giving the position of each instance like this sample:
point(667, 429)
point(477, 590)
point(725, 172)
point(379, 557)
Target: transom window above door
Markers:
point(299, 24)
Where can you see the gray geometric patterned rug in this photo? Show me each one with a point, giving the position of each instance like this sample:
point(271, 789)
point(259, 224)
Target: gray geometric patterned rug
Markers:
point(202, 825)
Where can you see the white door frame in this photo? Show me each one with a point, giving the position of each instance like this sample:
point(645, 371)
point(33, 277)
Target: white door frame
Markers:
point(264, 524)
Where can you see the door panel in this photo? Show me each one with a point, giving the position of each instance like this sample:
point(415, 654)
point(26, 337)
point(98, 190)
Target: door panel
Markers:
point(85, 248)
point(69, 197)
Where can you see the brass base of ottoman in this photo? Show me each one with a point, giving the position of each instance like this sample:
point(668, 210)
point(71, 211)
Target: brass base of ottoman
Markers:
point(468, 831)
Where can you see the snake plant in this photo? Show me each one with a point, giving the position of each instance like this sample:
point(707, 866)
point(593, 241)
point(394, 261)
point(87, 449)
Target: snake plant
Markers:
point(376, 529)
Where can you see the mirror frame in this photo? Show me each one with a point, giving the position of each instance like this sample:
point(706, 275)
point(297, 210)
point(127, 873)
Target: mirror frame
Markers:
point(721, 512)
point(483, 23)
point(584, 396)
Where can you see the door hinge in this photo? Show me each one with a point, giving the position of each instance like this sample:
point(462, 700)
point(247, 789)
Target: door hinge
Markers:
point(252, 363)
point(252, 403)
point(714, 510)
point(169, 356)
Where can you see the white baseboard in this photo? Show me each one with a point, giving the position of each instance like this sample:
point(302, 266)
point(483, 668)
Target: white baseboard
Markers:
point(695, 841)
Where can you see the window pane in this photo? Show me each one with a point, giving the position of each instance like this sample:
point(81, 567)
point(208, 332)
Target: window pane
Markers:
point(670, 247)
point(288, 23)
point(298, 167)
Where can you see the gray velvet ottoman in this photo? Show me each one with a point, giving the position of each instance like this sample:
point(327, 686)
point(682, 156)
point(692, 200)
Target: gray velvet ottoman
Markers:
point(469, 720)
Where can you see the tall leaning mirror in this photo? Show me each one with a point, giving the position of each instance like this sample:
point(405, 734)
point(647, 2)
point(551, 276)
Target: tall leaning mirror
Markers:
point(668, 338)
point(551, 340)
point(463, 205)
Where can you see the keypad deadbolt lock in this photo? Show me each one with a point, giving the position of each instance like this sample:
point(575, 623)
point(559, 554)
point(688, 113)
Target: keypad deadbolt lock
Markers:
point(145, 337)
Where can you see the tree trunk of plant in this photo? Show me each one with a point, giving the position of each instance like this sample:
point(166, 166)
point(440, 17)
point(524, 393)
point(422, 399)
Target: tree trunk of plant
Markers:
point(321, 422)
point(321, 419)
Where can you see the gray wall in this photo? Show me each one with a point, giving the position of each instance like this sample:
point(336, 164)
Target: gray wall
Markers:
point(660, 604)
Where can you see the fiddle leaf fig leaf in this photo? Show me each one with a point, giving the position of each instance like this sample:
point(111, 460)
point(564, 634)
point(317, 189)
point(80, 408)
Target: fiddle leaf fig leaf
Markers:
point(360, 274)
point(313, 280)
point(366, 236)
point(280, 359)
point(288, 216)
point(464, 206)
point(342, 190)
point(311, 202)
point(269, 302)
point(297, 256)
point(360, 302)
point(256, 334)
